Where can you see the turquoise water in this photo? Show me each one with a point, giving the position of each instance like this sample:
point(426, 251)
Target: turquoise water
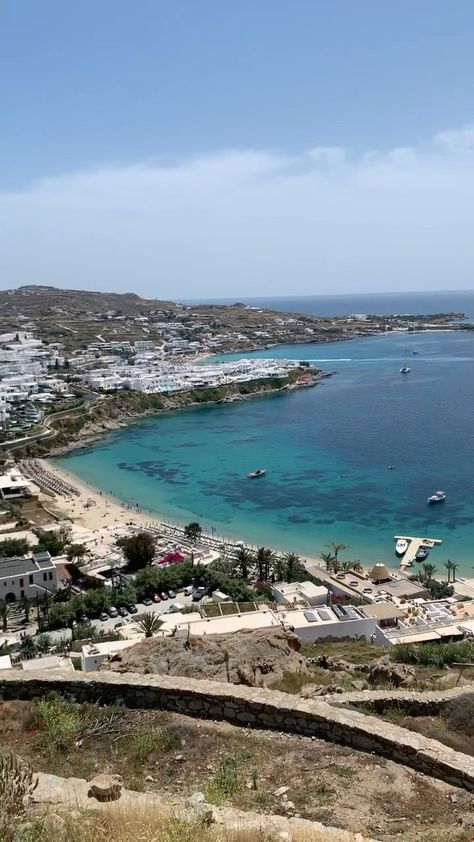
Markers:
point(326, 450)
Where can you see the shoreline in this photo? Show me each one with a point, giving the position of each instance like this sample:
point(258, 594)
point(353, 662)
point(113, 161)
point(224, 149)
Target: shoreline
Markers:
point(107, 511)
point(87, 439)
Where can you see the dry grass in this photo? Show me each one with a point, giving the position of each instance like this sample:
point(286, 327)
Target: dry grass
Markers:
point(152, 824)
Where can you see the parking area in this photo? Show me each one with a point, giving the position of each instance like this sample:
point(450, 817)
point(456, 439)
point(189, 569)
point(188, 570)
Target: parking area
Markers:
point(156, 608)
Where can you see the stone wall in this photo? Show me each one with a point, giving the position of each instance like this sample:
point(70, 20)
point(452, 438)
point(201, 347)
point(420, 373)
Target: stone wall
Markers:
point(253, 707)
point(411, 702)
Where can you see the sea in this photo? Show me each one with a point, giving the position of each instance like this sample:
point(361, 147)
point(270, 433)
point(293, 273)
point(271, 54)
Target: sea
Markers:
point(327, 450)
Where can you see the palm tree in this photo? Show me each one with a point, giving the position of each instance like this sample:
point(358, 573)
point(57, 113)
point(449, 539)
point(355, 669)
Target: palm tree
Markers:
point(337, 548)
point(149, 624)
point(264, 560)
point(244, 560)
point(279, 569)
point(26, 604)
point(328, 560)
point(346, 566)
point(357, 566)
point(4, 614)
point(292, 561)
point(454, 568)
point(428, 571)
point(449, 567)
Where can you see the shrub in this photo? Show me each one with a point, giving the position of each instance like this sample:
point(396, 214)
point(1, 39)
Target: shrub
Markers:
point(228, 780)
point(152, 741)
point(434, 654)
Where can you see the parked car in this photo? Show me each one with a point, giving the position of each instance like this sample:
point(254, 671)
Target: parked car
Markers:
point(199, 593)
point(119, 625)
point(188, 590)
point(123, 611)
point(104, 617)
point(164, 595)
point(112, 611)
point(172, 594)
point(131, 608)
point(156, 597)
point(147, 601)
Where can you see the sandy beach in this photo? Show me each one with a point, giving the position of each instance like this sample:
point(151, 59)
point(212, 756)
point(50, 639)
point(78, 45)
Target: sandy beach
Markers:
point(92, 509)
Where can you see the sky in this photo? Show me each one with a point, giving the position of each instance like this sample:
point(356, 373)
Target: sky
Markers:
point(220, 148)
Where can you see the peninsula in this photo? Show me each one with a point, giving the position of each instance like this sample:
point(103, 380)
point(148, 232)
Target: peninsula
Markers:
point(76, 364)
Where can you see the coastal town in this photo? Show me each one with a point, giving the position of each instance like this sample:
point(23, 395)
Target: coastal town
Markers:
point(61, 351)
point(97, 588)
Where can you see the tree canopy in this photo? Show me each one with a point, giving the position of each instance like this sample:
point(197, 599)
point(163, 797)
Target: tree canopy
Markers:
point(193, 531)
point(139, 550)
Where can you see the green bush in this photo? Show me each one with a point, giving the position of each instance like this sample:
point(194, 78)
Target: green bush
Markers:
point(228, 780)
point(434, 654)
point(152, 741)
point(58, 721)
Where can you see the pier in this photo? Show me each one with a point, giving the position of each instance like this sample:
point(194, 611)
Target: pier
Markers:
point(413, 547)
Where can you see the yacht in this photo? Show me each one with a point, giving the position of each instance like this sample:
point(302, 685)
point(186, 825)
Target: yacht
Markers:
point(401, 546)
point(437, 497)
point(260, 472)
point(422, 553)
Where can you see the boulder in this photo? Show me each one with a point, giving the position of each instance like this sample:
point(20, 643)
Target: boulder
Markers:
point(105, 787)
point(382, 672)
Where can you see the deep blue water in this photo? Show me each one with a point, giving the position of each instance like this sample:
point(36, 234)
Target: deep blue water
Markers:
point(380, 304)
point(326, 450)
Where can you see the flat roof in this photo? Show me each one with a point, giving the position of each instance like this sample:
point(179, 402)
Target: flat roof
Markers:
point(49, 662)
point(230, 623)
point(5, 662)
point(403, 587)
point(108, 647)
point(382, 611)
point(423, 637)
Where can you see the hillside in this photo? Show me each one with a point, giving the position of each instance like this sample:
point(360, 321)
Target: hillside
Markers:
point(253, 658)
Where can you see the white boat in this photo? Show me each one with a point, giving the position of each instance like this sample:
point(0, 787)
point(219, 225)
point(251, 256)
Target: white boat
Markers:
point(405, 369)
point(260, 472)
point(437, 497)
point(401, 546)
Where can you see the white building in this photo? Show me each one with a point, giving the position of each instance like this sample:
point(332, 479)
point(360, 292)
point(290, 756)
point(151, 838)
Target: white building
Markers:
point(92, 654)
point(288, 593)
point(27, 577)
point(309, 625)
point(14, 486)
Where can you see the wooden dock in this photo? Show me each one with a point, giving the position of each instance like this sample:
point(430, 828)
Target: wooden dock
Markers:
point(414, 545)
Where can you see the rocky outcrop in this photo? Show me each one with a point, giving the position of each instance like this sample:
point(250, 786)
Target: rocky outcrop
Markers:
point(254, 658)
point(105, 787)
point(383, 672)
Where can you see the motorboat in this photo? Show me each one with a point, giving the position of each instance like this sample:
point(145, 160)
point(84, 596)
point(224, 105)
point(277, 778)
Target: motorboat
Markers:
point(437, 497)
point(405, 369)
point(401, 546)
point(422, 553)
point(260, 472)
point(391, 467)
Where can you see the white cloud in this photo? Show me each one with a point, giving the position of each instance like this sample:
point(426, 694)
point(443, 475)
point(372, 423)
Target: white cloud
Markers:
point(249, 222)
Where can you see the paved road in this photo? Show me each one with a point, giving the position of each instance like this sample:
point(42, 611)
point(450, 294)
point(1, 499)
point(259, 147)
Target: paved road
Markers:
point(16, 624)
